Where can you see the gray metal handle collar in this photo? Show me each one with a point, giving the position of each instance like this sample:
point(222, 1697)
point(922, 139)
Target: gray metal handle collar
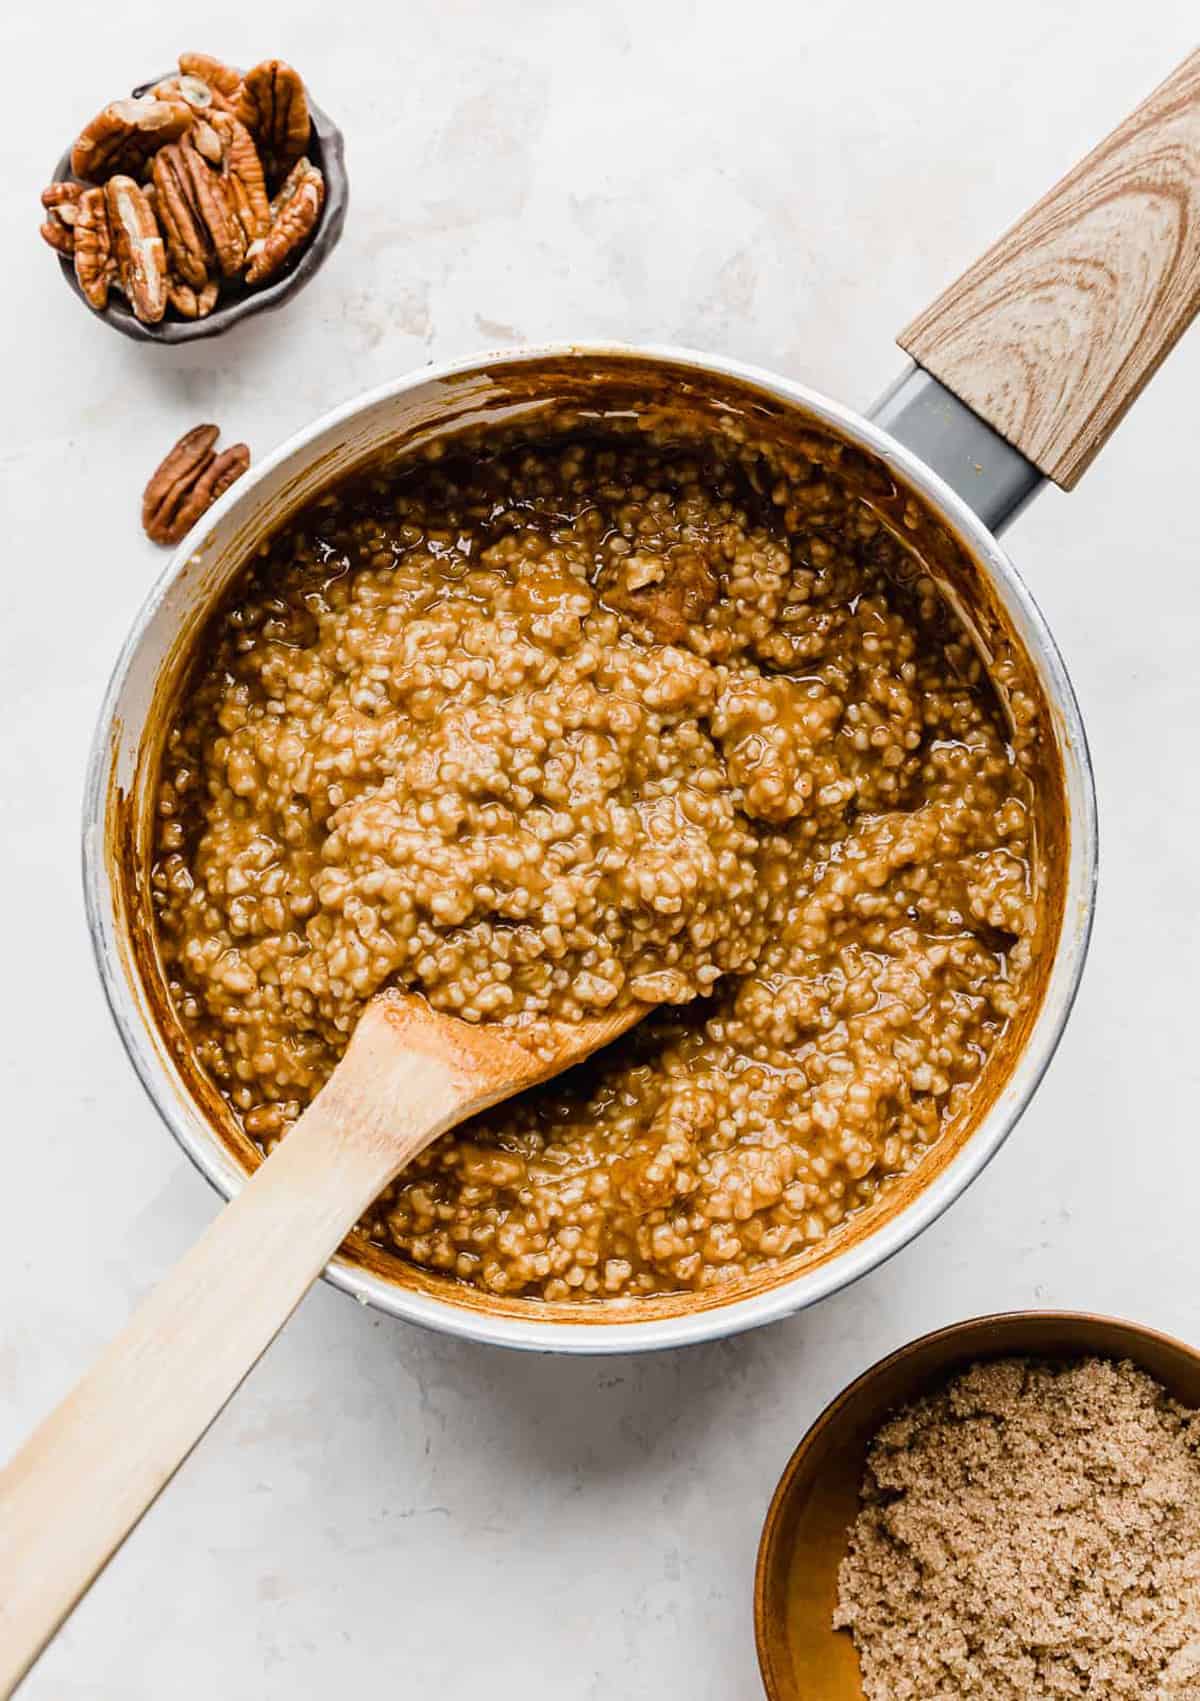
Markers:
point(977, 463)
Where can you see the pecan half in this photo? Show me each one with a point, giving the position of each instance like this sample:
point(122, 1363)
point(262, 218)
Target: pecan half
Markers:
point(186, 234)
point(60, 236)
point(95, 262)
point(198, 94)
point(207, 142)
point(188, 482)
point(122, 137)
point(243, 173)
point(667, 593)
point(222, 79)
point(213, 202)
point(191, 303)
point(272, 105)
point(294, 214)
point(61, 201)
point(138, 246)
point(221, 472)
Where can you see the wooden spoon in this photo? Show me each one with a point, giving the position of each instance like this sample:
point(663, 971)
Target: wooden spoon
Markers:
point(84, 1478)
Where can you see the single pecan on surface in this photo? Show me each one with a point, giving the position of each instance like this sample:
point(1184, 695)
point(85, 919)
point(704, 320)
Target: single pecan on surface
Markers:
point(138, 247)
point(271, 103)
point(95, 261)
point(188, 482)
point(294, 213)
point(222, 79)
point(61, 201)
point(122, 137)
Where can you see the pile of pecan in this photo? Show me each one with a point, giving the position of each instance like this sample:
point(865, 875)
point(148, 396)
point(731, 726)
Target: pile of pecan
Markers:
point(199, 184)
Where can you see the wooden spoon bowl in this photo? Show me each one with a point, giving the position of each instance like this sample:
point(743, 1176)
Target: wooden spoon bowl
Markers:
point(800, 1655)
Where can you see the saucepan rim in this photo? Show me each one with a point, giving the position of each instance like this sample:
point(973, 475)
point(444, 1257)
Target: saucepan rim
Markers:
point(840, 1270)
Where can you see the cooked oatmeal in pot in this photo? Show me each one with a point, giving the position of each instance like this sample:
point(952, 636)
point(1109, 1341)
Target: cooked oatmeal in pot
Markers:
point(543, 727)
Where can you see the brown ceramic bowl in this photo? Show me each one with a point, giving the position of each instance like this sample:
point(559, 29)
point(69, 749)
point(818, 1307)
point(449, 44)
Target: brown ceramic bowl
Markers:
point(326, 150)
point(802, 1658)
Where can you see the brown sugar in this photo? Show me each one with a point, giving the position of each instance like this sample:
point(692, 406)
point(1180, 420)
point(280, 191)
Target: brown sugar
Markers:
point(1030, 1530)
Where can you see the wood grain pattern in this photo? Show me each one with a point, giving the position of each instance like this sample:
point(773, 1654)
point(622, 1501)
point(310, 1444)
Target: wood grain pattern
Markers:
point(85, 1477)
point(1053, 333)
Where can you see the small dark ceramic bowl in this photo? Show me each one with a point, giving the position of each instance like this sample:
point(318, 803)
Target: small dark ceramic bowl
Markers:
point(801, 1656)
point(326, 150)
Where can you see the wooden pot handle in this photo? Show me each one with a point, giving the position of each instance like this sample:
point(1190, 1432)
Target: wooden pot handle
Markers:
point(1051, 335)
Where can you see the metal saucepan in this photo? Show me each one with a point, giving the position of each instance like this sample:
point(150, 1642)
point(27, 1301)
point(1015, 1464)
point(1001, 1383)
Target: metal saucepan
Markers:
point(1024, 367)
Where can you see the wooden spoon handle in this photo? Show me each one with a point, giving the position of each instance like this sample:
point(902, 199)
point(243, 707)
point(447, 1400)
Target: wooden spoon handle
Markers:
point(1052, 334)
point(79, 1485)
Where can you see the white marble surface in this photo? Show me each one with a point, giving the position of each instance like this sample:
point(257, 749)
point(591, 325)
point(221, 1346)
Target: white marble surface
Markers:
point(786, 183)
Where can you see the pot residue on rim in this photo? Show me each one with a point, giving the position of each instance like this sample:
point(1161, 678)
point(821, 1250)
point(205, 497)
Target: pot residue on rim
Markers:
point(753, 634)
